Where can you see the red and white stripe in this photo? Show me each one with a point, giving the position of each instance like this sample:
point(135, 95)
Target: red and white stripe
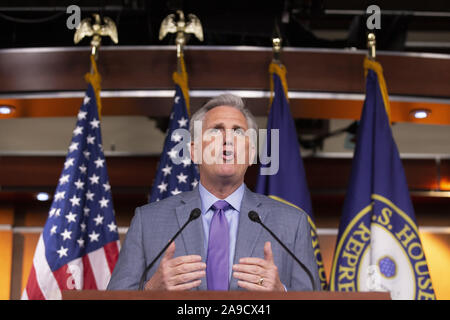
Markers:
point(92, 271)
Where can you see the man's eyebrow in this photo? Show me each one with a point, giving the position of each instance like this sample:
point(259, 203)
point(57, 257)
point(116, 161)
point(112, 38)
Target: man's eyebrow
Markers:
point(218, 125)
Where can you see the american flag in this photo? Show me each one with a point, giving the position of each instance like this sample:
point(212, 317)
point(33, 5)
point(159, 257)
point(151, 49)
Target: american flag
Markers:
point(172, 179)
point(79, 245)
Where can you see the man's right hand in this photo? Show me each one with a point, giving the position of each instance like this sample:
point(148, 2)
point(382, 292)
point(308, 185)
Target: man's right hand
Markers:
point(180, 273)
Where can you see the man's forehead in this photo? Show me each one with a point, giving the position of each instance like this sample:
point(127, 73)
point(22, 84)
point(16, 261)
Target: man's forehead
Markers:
point(225, 114)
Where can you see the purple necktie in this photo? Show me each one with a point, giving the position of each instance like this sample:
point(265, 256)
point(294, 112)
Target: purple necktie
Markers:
point(217, 261)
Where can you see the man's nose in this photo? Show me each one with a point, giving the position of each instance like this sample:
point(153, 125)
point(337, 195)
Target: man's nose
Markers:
point(228, 139)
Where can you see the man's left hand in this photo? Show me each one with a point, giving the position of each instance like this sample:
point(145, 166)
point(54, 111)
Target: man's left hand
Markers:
point(258, 274)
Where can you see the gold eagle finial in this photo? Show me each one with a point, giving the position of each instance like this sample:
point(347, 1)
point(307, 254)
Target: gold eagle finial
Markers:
point(181, 27)
point(96, 30)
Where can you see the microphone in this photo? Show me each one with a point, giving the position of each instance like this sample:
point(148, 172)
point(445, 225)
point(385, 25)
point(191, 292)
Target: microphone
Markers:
point(252, 215)
point(194, 215)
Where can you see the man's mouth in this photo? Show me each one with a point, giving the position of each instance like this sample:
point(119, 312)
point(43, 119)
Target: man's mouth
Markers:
point(228, 155)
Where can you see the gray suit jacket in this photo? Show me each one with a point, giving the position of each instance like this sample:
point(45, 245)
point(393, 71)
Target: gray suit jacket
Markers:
point(154, 224)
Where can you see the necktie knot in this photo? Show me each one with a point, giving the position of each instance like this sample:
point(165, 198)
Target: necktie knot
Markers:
point(220, 205)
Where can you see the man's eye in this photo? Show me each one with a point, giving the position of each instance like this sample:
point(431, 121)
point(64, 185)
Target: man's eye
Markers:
point(239, 131)
point(213, 131)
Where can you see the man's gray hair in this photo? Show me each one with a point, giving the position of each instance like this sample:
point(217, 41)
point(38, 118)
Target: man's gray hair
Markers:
point(226, 99)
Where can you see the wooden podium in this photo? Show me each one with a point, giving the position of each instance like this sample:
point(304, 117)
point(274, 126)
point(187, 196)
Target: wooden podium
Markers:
point(221, 295)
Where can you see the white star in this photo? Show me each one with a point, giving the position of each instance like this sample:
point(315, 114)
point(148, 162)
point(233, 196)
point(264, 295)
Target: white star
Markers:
point(177, 99)
point(175, 192)
point(57, 212)
point(82, 168)
point(52, 212)
point(68, 163)
point(172, 153)
point(94, 179)
point(94, 236)
point(194, 183)
point(103, 202)
point(90, 195)
point(86, 211)
point(99, 162)
point(81, 242)
point(62, 252)
point(107, 186)
point(71, 217)
point(182, 122)
point(53, 229)
point(162, 187)
point(94, 123)
point(66, 234)
point(90, 139)
point(60, 195)
point(86, 154)
point(98, 220)
point(86, 100)
point(112, 227)
point(82, 115)
point(78, 130)
point(75, 201)
point(64, 179)
point(176, 137)
point(182, 178)
point(166, 170)
point(83, 227)
point(73, 146)
point(186, 162)
point(79, 184)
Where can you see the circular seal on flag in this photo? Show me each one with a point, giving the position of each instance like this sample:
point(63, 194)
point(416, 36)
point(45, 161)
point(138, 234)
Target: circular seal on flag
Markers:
point(380, 250)
point(387, 267)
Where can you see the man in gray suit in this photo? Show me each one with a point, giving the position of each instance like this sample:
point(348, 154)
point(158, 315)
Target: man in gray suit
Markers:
point(223, 249)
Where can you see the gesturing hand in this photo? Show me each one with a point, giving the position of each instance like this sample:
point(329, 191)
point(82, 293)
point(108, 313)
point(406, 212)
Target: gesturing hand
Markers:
point(258, 274)
point(180, 273)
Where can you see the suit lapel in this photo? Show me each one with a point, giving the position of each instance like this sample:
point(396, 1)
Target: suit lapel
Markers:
point(192, 236)
point(248, 231)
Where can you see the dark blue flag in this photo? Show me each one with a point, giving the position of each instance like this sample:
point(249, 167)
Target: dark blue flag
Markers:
point(79, 245)
point(176, 173)
point(378, 246)
point(289, 184)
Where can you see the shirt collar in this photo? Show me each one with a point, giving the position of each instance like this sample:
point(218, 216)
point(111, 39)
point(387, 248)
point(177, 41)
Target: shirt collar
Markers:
point(208, 199)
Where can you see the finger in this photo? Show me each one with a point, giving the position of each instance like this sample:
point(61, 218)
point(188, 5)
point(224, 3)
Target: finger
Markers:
point(254, 261)
point(251, 286)
point(170, 251)
point(252, 278)
point(184, 259)
point(268, 254)
point(186, 286)
point(189, 267)
point(250, 269)
point(188, 277)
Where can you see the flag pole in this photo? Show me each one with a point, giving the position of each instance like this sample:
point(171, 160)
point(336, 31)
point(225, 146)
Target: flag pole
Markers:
point(371, 46)
point(276, 66)
point(181, 27)
point(95, 29)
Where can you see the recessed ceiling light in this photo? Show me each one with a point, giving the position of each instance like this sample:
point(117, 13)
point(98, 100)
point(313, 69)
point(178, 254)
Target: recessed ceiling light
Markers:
point(42, 196)
point(420, 113)
point(5, 109)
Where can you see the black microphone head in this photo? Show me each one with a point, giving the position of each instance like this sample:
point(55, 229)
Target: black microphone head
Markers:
point(252, 215)
point(195, 214)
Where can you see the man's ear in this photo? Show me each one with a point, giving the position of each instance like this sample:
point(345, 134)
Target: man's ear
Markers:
point(195, 152)
point(252, 158)
point(192, 151)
